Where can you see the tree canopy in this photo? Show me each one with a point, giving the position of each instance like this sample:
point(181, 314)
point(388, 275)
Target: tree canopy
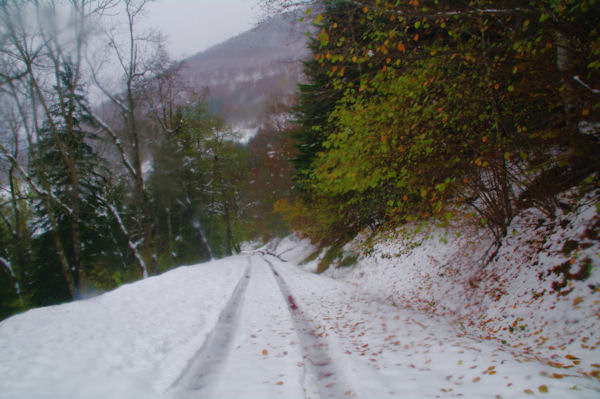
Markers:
point(413, 108)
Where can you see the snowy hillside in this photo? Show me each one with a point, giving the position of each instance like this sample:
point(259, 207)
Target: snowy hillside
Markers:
point(253, 70)
point(408, 320)
point(538, 297)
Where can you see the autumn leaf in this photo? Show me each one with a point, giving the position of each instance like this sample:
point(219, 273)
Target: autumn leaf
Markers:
point(555, 364)
point(318, 19)
point(265, 352)
point(543, 389)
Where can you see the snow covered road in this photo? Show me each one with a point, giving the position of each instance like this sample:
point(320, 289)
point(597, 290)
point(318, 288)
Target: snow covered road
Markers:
point(255, 326)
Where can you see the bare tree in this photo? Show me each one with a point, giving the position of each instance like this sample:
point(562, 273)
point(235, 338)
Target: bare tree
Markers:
point(140, 58)
point(271, 7)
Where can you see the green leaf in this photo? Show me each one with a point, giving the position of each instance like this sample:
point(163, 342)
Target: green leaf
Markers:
point(594, 65)
point(318, 19)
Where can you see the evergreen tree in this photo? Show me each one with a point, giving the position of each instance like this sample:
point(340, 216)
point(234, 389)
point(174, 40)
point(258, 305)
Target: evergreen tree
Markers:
point(175, 191)
point(67, 166)
point(195, 185)
point(318, 97)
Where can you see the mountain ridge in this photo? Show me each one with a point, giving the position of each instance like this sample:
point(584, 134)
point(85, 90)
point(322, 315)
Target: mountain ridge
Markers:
point(246, 75)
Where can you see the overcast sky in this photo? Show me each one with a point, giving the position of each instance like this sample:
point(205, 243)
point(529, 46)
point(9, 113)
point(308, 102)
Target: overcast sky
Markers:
point(195, 25)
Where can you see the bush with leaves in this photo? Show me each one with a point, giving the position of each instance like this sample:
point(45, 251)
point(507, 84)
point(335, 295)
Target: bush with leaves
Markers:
point(455, 103)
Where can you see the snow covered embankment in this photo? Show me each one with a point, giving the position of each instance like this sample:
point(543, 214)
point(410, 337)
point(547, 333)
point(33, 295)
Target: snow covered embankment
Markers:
point(539, 297)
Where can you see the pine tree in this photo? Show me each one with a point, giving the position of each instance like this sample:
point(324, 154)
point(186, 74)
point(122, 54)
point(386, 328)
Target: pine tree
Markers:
point(318, 97)
point(66, 165)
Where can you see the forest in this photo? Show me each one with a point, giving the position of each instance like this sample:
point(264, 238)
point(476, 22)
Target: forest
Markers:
point(410, 110)
point(113, 169)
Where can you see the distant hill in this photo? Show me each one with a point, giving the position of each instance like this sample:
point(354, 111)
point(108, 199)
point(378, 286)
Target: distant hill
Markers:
point(247, 75)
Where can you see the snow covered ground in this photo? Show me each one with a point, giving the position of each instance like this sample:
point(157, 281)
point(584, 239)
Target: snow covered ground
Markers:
point(407, 321)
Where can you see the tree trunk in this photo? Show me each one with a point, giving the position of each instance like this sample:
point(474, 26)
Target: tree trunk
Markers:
point(76, 242)
point(74, 187)
point(142, 196)
point(170, 233)
point(564, 61)
point(228, 232)
point(18, 233)
point(64, 262)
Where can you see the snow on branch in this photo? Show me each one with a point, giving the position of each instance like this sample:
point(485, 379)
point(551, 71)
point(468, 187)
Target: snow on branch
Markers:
point(117, 216)
point(38, 190)
point(449, 13)
point(132, 245)
point(577, 78)
point(115, 138)
point(7, 264)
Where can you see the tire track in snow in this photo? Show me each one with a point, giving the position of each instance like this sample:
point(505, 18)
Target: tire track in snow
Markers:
point(197, 377)
point(322, 378)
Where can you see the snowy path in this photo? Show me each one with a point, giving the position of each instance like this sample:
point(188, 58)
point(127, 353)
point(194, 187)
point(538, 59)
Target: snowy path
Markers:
point(333, 341)
point(253, 342)
point(262, 326)
point(217, 346)
point(255, 326)
point(321, 376)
